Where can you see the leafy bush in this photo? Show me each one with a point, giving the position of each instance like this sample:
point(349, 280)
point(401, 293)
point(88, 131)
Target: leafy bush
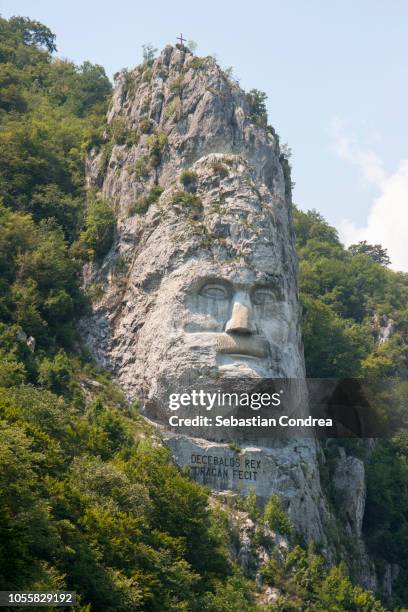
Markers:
point(56, 374)
point(145, 126)
point(120, 134)
point(99, 228)
point(234, 447)
point(257, 107)
point(156, 143)
point(186, 200)
point(276, 517)
point(12, 371)
point(197, 63)
point(306, 583)
point(188, 178)
point(219, 168)
point(173, 108)
point(149, 53)
point(248, 503)
point(142, 167)
point(49, 201)
point(334, 347)
point(176, 86)
point(142, 205)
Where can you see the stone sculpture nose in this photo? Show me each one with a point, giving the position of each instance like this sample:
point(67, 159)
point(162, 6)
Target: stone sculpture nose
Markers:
point(240, 321)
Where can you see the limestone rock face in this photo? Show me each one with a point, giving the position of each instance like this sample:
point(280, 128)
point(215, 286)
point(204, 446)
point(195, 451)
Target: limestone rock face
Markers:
point(382, 328)
point(351, 499)
point(288, 469)
point(198, 110)
point(201, 282)
point(229, 222)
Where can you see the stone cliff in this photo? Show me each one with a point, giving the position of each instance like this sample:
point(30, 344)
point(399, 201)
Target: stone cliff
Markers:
point(202, 278)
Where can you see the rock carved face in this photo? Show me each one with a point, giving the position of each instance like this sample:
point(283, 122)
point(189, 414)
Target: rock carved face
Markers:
point(242, 317)
point(213, 322)
point(210, 294)
point(217, 320)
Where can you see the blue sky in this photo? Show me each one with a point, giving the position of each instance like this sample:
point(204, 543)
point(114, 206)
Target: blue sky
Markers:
point(335, 74)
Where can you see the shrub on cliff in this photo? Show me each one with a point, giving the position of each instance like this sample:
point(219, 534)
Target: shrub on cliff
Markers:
point(188, 178)
point(100, 222)
point(257, 107)
point(186, 200)
point(276, 518)
point(142, 205)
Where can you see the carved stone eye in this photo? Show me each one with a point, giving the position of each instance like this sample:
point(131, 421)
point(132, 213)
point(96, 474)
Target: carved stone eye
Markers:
point(262, 296)
point(214, 292)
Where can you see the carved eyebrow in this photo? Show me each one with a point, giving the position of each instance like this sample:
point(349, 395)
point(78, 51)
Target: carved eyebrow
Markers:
point(215, 291)
point(269, 287)
point(197, 284)
point(214, 280)
point(262, 289)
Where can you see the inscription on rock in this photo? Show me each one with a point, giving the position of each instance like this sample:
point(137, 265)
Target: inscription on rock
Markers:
point(237, 468)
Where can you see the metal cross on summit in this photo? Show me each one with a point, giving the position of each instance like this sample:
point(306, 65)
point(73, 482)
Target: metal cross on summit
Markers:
point(181, 39)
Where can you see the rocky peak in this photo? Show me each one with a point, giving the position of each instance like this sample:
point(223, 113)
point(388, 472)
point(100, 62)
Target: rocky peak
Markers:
point(194, 174)
point(167, 114)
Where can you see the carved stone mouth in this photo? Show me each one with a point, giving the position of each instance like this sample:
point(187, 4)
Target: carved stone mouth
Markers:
point(253, 346)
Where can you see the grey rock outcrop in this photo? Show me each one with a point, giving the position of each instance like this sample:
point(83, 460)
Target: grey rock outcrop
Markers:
point(208, 281)
point(201, 281)
point(351, 500)
point(382, 328)
point(197, 110)
point(183, 112)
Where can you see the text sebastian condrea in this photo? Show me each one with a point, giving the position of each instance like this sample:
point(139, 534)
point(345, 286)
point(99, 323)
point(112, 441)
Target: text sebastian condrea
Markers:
point(255, 421)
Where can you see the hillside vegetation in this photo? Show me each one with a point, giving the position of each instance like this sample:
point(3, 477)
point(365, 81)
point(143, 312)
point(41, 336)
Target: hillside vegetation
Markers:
point(89, 499)
point(343, 293)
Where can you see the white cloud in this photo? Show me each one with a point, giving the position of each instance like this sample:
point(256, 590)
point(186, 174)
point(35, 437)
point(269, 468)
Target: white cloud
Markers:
point(387, 220)
point(347, 148)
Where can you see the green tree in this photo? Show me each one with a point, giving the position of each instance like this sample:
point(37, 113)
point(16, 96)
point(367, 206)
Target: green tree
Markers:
point(257, 107)
point(149, 52)
point(375, 251)
point(99, 229)
point(333, 346)
point(33, 33)
point(276, 517)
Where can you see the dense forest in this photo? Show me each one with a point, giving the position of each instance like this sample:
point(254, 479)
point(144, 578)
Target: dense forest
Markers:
point(89, 498)
point(344, 294)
